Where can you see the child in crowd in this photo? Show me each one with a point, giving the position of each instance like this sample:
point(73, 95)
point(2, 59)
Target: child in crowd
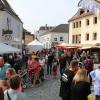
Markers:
point(42, 67)
point(54, 70)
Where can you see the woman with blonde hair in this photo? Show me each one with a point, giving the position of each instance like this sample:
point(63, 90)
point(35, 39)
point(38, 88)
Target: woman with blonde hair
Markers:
point(80, 88)
point(10, 72)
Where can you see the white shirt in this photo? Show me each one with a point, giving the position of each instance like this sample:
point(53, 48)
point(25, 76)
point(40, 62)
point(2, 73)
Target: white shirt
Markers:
point(14, 95)
point(42, 62)
point(95, 74)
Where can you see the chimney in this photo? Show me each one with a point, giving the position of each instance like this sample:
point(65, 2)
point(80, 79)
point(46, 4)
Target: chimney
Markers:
point(46, 27)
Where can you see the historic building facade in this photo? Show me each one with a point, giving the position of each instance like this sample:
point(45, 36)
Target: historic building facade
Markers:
point(11, 26)
point(84, 28)
point(57, 35)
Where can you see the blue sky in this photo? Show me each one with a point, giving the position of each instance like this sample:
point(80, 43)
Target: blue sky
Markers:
point(36, 13)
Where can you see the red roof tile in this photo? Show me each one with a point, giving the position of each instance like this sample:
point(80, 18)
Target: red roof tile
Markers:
point(78, 15)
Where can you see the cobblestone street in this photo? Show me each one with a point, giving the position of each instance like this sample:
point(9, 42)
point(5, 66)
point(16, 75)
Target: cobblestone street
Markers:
point(49, 90)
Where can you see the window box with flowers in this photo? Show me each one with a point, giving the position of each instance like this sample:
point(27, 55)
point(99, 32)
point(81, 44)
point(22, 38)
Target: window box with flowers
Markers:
point(4, 32)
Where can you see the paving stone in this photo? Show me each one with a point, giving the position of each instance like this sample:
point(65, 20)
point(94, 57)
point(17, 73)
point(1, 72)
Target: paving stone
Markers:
point(49, 90)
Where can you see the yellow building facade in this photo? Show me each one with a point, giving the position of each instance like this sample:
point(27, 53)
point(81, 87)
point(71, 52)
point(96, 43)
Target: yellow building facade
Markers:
point(84, 28)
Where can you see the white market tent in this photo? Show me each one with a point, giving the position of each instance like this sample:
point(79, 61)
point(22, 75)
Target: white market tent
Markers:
point(35, 46)
point(4, 48)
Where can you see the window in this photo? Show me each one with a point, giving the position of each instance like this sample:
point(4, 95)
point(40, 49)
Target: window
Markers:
point(76, 24)
point(61, 38)
point(79, 23)
point(87, 10)
point(55, 39)
point(95, 20)
point(8, 23)
point(76, 39)
point(87, 36)
point(79, 38)
point(81, 12)
point(87, 22)
point(94, 36)
point(73, 25)
point(73, 38)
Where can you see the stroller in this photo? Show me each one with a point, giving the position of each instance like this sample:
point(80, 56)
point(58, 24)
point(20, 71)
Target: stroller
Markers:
point(26, 81)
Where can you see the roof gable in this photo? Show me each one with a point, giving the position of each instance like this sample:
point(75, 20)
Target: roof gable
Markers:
point(98, 1)
point(62, 28)
point(80, 14)
point(4, 5)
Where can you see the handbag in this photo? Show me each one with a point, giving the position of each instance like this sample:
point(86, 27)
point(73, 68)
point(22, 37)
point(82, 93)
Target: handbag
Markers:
point(8, 96)
point(90, 97)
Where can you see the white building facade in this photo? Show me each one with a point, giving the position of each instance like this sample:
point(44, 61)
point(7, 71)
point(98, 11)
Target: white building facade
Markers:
point(52, 39)
point(11, 27)
point(56, 36)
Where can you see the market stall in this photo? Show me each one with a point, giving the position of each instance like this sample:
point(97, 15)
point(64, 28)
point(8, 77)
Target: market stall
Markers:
point(35, 46)
point(94, 51)
point(5, 49)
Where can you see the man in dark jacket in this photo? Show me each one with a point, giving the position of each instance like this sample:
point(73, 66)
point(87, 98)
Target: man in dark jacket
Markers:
point(66, 80)
point(62, 63)
point(49, 63)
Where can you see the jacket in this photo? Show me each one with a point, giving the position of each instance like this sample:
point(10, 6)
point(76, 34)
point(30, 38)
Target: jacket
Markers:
point(80, 90)
point(65, 86)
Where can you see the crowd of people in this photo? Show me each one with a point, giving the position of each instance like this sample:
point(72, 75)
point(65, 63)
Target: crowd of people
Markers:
point(77, 79)
point(76, 69)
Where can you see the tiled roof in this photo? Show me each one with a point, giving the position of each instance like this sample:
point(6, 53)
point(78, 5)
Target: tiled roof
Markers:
point(98, 1)
point(62, 28)
point(26, 32)
point(78, 15)
point(4, 5)
point(46, 28)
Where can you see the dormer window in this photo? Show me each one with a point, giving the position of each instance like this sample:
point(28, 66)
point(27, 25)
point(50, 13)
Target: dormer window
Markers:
point(87, 10)
point(81, 11)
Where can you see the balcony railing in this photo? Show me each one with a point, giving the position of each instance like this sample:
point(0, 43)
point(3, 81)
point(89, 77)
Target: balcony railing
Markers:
point(4, 32)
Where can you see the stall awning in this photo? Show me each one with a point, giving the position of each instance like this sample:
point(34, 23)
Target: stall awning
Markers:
point(4, 48)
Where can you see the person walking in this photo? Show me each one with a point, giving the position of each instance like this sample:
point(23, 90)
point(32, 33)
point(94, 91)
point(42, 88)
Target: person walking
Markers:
point(54, 69)
point(49, 63)
point(3, 68)
point(62, 63)
point(80, 88)
point(12, 93)
point(95, 74)
point(66, 80)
